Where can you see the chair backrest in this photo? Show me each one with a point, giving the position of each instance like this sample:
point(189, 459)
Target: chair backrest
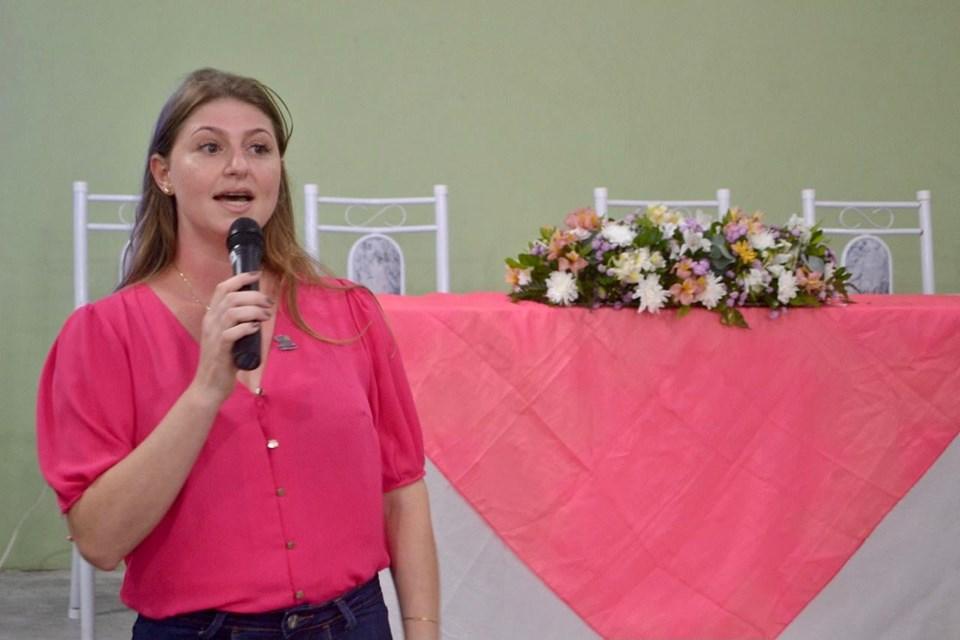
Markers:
point(82, 228)
point(376, 259)
point(602, 203)
point(867, 255)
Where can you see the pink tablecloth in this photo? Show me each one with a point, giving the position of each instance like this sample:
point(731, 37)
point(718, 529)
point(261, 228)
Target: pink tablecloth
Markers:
point(674, 478)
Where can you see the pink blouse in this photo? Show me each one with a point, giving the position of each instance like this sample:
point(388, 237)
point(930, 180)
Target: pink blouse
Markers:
point(285, 502)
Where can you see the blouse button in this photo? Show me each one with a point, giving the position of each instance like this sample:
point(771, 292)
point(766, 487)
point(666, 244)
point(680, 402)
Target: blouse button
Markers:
point(291, 544)
point(272, 444)
point(298, 595)
point(281, 491)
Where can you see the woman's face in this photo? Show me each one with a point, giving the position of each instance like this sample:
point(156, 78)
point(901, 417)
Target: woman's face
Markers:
point(225, 164)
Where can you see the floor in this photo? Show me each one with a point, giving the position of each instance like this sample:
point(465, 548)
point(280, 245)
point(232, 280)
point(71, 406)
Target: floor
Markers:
point(33, 606)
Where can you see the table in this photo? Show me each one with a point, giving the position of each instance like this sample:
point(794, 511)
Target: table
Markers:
point(670, 477)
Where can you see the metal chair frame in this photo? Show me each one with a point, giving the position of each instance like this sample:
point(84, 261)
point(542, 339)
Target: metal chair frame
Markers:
point(312, 226)
point(924, 229)
point(82, 572)
point(602, 203)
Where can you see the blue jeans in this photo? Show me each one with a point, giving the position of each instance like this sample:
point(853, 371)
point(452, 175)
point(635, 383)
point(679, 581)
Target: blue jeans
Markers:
point(357, 615)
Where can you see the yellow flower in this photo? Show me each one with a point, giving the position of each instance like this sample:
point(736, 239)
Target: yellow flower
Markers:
point(745, 251)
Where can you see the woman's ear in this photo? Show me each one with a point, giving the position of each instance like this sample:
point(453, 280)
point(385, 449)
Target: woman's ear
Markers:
point(160, 170)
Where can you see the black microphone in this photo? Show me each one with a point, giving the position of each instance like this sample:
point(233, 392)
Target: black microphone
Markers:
point(245, 244)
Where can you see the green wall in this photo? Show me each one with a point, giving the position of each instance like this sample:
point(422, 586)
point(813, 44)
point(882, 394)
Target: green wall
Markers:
point(520, 106)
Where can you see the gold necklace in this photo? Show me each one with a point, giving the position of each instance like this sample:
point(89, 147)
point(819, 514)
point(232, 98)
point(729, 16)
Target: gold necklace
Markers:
point(193, 294)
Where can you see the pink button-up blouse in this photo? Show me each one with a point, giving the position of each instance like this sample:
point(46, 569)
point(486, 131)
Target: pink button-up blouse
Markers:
point(284, 504)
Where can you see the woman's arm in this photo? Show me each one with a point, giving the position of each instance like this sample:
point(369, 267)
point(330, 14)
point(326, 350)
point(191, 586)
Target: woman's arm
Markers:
point(124, 504)
point(121, 507)
point(413, 560)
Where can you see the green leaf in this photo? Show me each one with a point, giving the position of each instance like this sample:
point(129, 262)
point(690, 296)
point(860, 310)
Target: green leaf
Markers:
point(513, 264)
point(731, 317)
point(529, 260)
point(805, 300)
point(683, 311)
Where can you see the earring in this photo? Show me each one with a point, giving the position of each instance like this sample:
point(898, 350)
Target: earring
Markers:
point(166, 189)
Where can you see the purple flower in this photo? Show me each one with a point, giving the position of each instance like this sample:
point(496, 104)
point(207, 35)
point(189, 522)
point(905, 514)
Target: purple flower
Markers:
point(618, 305)
point(701, 267)
point(733, 231)
point(774, 314)
point(729, 273)
point(691, 224)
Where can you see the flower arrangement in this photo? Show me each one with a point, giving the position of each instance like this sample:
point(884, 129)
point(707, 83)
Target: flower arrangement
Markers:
point(661, 259)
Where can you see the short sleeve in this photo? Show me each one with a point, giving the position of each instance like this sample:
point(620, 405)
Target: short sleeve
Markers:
point(85, 416)
point(394, 412)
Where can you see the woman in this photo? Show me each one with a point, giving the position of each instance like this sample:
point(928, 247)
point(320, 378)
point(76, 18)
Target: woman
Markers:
point(264, 500)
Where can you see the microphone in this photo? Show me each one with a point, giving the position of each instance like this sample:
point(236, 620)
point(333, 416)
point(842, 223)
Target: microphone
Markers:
point(245, 244)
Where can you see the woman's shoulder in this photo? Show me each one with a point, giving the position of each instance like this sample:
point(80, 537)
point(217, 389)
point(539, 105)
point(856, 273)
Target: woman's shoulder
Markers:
point(329, 289)
point(107, 314)
point(331, 298)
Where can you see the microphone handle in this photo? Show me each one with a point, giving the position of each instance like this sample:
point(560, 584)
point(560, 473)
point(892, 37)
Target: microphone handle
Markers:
point(246, 350)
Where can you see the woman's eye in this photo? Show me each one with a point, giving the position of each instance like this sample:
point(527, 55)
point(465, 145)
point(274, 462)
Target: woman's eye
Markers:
point(260, 149)
point(209, 147)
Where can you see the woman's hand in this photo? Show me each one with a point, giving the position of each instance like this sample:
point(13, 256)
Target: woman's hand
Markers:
point(232, 315)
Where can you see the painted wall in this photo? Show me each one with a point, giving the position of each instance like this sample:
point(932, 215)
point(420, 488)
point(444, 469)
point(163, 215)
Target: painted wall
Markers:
point(520, 107)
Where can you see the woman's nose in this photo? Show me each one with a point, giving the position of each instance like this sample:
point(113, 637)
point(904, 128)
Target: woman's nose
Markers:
point(236, 163)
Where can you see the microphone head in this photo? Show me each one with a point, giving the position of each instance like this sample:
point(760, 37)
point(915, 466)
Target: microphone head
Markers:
point(244, 232)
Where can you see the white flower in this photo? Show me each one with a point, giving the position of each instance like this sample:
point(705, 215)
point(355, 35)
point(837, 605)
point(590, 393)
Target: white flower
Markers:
point(714, 291)
point(757, 278)
point(617, 234)
point(762, 241)
point(562, 288)
point(796, 223)
point(775, 270)
point(626, 266)
point(657, 262)
point(786, 287)
point(652, 296)
point(524, 276)
point(694, 241)
point(828, 270)
point(579, 233)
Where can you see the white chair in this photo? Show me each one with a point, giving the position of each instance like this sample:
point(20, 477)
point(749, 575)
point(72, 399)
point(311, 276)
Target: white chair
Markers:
point(602, 203)
point(376, 259)
point(867, 255)
point(82, 573)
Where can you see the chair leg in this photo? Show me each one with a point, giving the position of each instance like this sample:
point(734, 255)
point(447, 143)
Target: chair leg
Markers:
point(73, 611)
point(87, 630)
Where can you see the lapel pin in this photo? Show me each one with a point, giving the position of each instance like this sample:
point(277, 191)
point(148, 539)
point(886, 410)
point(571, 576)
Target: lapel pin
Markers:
point(284, 343)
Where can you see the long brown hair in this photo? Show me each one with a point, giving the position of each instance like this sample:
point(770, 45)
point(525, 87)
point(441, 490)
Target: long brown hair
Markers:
point(153, 241)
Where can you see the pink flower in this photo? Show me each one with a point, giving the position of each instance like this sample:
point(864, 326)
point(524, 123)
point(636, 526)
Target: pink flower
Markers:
point(571, 262)
point(686, 292)
point(558, 242)
point(585, 218)
point(684, 269)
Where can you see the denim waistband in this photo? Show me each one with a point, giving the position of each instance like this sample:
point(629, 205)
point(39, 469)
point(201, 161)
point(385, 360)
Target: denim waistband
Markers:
point(208, 623)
